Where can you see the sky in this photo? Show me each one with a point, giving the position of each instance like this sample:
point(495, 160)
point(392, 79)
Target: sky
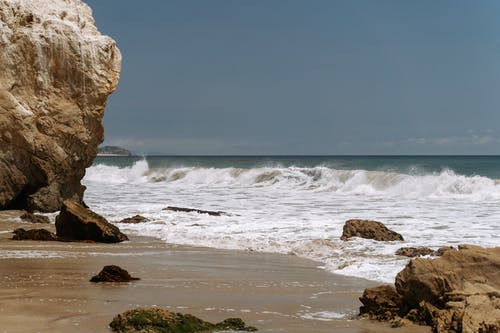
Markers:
point(316, 77)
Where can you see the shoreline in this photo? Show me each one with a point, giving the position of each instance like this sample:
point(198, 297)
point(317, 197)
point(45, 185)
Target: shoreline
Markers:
point(274, 292)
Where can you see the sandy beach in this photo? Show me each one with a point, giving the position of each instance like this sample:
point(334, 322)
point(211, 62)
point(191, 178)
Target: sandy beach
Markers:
point(45, 286)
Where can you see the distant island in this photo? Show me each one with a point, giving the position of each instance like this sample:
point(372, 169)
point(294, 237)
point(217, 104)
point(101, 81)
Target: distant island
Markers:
point(113, 151)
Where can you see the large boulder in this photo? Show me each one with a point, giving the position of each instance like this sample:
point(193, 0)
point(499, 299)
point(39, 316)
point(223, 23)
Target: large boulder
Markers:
point(458, 292)
point(77, 223)
point(155, 320)
point(369, 229)
point(56, 73)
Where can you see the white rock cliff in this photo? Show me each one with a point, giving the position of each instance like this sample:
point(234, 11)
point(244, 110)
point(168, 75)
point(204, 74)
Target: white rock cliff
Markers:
point(56, 72)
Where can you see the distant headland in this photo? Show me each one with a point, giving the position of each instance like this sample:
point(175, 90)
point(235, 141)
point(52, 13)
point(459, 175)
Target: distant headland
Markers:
point(113, 151)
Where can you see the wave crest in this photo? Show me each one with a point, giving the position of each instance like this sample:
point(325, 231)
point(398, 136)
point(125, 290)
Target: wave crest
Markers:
point(360, 182)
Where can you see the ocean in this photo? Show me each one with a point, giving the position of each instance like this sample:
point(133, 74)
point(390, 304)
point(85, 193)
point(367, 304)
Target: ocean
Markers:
point(298, 204)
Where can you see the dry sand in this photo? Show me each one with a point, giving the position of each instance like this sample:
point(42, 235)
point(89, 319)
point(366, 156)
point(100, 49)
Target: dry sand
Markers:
point(44, 287)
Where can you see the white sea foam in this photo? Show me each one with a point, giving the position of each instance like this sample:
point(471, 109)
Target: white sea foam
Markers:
point(443, 184)
point(324, 315)
point(301, 210)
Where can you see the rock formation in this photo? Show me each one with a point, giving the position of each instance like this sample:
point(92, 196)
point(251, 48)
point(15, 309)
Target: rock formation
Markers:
point(112, 273)
point(369, 229)
point(154, 320)
point(56, 73)
point(458, 292)
point(77, 223)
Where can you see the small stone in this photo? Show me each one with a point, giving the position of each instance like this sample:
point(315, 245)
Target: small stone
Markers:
point(113, 273)
point(134, 219)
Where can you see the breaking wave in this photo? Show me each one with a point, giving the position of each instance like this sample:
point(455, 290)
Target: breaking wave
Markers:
point(359, 182)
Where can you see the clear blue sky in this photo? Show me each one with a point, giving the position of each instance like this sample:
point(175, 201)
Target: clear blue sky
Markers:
point(305, 77)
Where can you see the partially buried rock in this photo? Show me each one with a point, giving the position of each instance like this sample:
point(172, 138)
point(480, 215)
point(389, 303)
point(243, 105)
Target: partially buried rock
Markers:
point(416, 252)
point(154, 320)
point(134, 219)
point(34, 218)
point(113, 273)
point(458, 292)
point(199, 211)
point(34, 234)
point(369, 229)
point(76, 223)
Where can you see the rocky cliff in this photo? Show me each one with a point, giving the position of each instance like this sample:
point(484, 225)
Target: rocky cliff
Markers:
point(56, 72)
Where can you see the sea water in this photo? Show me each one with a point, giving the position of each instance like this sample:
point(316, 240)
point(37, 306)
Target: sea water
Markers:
point(299, 204)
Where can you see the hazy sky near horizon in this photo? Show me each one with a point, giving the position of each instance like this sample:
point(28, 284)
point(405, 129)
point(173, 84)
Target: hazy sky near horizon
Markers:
point(305, 77)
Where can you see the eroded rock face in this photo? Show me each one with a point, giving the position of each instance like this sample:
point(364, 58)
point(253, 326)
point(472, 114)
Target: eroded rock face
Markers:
point(458, 292)
point(77, 223)
point(369, 229)
point(56, 73)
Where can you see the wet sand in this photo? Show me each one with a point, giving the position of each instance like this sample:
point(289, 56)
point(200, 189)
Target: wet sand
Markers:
point(44, 287)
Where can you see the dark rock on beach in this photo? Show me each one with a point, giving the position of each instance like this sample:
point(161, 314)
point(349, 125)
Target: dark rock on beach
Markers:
point(458, 292)
point(416, 252)
point(369, 229)
point(199, 211)
point(34, 234)
point(77, 223)
point(113, 273)
point(134, 219)
point(34, 218)
point(154, 320)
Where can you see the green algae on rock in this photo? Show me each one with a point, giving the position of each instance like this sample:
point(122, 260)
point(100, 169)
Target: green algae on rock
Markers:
point(154, 320)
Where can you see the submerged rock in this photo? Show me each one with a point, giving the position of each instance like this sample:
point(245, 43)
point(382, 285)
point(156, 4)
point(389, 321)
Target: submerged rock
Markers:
point(154, 320)
point(369, 229)
point(416, 252)
point(34, 234)
point(199, 211)
point(76, 223)
point(113, 273)
point(458, 292)
point(56, 73)
point(134, 219)
point(34, 218)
